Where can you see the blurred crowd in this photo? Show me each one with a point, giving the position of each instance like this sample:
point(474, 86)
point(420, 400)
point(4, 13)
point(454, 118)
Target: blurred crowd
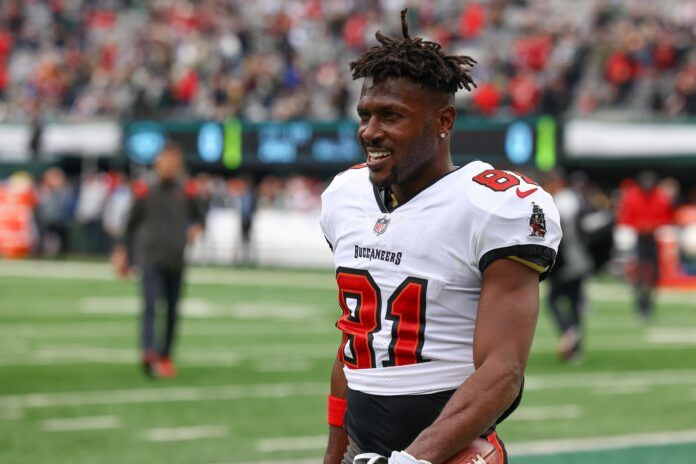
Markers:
point(56, 214)
point(259, 60)
point(86, 214)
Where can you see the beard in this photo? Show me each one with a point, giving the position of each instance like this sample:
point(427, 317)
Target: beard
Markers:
point(420, 152)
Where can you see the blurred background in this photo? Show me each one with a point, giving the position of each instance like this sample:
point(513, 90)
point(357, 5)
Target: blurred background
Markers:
point(595, 100)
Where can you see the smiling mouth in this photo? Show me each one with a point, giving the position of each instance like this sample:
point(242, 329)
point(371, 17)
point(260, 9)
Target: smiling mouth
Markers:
point(374, 156)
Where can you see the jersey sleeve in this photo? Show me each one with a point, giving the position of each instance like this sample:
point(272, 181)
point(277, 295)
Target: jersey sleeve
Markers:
point(326, 217)
point(325, 223)
point(526, 230)
point(333, 200)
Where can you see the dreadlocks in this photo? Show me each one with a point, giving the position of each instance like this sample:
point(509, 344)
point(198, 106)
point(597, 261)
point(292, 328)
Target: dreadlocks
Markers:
point(417, 59)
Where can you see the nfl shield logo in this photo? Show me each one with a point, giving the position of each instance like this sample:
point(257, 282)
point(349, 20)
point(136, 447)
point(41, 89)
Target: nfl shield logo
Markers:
point(381, 225)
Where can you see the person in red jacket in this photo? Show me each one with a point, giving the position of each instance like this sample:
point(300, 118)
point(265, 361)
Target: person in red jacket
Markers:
point(645, 208)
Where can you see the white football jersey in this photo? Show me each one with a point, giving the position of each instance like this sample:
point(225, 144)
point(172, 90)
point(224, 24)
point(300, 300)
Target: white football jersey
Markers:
point(409, 280)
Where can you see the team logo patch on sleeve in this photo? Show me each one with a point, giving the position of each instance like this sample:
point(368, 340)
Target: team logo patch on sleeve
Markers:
point(381, 225)
point(537, 222)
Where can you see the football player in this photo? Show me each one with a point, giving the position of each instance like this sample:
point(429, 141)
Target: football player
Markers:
point(437, 267)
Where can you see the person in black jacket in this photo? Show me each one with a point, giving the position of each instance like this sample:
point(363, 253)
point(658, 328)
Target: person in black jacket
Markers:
point(164, 216)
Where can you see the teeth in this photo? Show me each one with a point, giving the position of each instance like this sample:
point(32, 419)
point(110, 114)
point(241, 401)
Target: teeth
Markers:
point(376, 155)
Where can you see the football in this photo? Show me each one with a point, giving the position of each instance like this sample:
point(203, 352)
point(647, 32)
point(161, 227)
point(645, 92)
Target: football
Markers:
point(479, 451)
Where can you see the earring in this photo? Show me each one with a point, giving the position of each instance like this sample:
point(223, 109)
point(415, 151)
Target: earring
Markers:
point(442, 135)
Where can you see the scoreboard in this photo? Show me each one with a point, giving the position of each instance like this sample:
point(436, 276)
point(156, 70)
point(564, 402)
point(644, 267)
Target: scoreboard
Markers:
point(234, 144)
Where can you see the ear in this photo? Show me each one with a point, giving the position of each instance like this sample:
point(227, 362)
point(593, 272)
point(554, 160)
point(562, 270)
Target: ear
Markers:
point(445, 119)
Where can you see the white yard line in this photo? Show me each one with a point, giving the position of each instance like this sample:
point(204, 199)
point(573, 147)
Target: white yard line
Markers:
point(222, 276)
point(163, 395)
point(201, 309)
point(74, 424)
point(621, 390)
point(644, 342)
point(268, 355)
point(76, 329)
point(624, 292)
point(672, 335)
point(199, 432)
point(601, 443)
point(546, 413)
point(70, 355)
point(625, 379)
point(270, 445)
point(283, 365)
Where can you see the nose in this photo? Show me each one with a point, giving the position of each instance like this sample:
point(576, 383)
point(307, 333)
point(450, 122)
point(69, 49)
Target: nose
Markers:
point(371, 131)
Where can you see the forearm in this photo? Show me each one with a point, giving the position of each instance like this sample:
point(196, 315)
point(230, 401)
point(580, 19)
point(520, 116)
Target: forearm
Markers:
point(338, 439)
point(505, 324)
point(473, 408)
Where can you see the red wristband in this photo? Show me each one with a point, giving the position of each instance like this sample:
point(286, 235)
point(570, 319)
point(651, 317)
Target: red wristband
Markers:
point(337, 410)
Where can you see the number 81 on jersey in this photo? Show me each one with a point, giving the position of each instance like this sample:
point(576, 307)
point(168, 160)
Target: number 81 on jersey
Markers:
point(405, 308)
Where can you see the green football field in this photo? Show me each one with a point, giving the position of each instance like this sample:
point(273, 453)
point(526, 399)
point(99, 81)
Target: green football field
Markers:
point(254, 355)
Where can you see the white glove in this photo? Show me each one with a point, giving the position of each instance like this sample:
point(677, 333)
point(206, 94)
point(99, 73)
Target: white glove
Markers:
point(397, 457)
point(402, 457)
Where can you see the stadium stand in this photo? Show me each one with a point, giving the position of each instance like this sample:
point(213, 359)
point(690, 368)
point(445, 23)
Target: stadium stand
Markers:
point(212, 59)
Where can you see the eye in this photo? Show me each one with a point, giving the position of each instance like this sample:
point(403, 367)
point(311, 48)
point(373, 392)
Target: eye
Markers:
point(364, 116)
point(391, 116)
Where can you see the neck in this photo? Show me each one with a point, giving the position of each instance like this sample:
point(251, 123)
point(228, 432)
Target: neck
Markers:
point(428, 175)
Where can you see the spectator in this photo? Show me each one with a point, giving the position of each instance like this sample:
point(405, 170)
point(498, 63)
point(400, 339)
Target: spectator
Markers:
point(212, 59)
point(244, 191)
point(117, 206)
point(54, 212)
point(92, 196)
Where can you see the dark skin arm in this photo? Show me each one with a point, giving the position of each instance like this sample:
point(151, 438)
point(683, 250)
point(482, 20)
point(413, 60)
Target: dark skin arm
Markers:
point(338, 438)
point(507, 316)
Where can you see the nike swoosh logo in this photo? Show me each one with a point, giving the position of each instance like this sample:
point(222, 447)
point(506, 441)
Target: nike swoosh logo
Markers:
point(526, 193)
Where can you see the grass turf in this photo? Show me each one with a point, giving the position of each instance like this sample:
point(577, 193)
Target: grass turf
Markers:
point(254, 355)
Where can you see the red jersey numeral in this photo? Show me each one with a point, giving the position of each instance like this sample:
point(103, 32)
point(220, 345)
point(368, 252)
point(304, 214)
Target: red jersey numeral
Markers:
point(497, 180)
point(360, 322)
point(406, 308)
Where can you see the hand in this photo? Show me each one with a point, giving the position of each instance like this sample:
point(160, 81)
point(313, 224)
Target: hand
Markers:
point(119, 259)
point(194, 231)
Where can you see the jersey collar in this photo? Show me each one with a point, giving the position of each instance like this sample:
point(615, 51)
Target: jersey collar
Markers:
point(381, 193)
